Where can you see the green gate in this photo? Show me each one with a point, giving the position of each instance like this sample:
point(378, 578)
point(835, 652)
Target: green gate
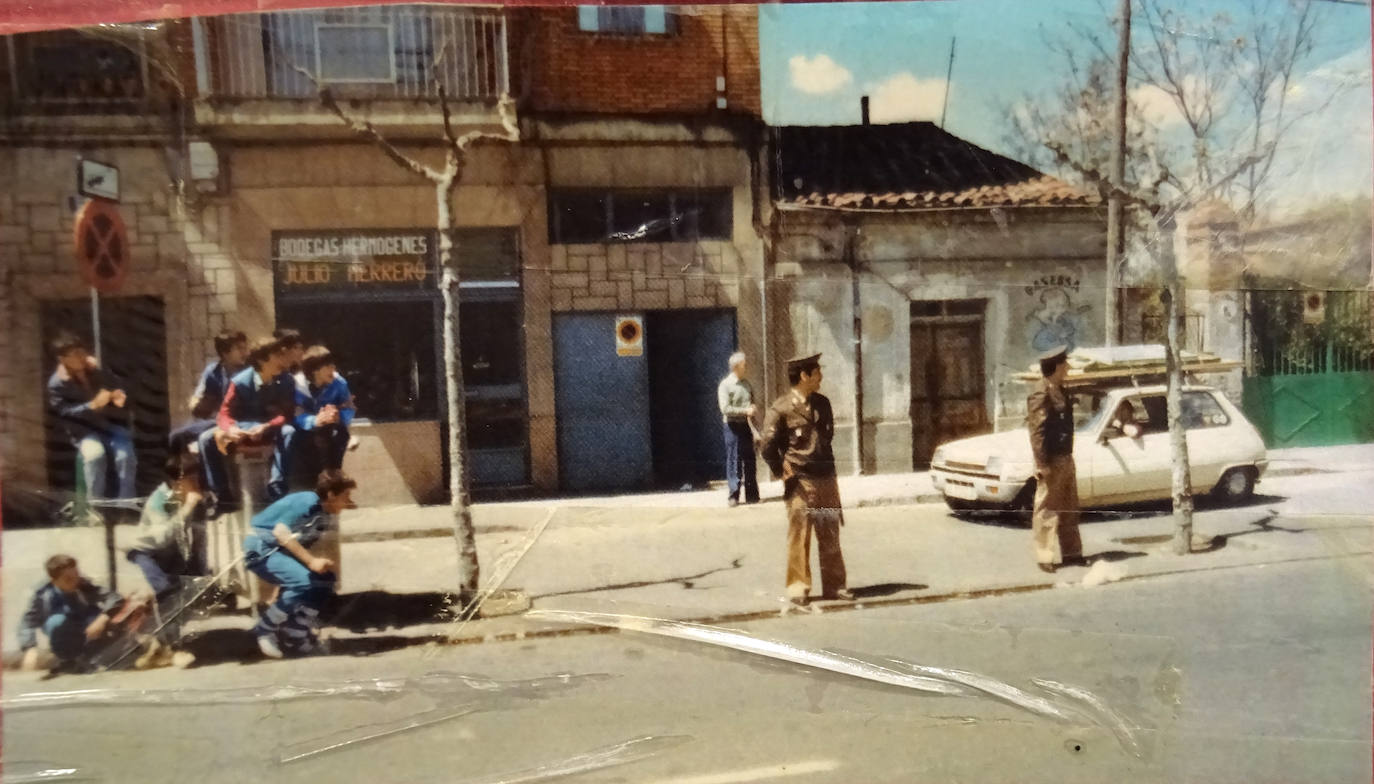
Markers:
point(1312, 379)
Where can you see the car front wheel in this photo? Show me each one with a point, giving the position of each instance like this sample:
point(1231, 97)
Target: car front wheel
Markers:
point(1236, 486)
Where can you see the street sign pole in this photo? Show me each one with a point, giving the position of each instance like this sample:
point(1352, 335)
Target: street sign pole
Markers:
point(95, 323)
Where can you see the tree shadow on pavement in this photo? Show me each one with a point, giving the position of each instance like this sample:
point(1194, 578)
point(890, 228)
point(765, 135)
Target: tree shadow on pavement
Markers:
point(688, 582)
point(880, 590)
point(367, 611)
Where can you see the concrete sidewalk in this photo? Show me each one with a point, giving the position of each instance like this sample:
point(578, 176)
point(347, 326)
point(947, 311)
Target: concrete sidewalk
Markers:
point(701, 561)
point(724, 565)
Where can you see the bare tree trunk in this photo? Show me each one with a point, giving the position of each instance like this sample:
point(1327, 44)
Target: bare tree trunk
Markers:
point(463, 532)
point(1178, 441)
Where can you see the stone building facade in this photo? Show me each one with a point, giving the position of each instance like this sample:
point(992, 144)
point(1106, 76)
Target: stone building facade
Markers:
point(260, 164)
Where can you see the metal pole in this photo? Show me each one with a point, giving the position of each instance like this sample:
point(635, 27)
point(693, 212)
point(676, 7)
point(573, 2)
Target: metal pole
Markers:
point(93, 503)
point(949, 73)
point(851, 256)
point(1115, 231)
point(95, 323)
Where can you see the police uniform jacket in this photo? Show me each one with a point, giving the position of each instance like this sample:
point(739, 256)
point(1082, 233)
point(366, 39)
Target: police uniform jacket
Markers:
point(797, 436)
point(1049, 417)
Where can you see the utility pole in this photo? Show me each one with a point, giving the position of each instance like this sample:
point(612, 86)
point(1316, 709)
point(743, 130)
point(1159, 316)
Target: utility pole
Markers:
point(851, 257)
point(949, 73)
point(1116, 234)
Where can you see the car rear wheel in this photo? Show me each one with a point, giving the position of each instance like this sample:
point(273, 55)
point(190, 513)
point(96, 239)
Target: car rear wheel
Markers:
point(1236, 486)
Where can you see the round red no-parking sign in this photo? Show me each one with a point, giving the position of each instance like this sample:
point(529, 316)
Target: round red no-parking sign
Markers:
point(102, 246)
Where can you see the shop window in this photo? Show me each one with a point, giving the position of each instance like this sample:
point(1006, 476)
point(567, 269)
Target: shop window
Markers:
point(596, 216)
point(626, 20)
point(385, 350)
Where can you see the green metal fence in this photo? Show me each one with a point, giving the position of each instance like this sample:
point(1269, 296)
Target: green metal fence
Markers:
point(1312, 368)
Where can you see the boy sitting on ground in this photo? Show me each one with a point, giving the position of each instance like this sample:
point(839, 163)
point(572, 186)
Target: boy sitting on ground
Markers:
point(74, 614)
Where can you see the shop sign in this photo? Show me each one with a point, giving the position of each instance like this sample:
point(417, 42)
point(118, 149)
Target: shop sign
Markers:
point(319, 262)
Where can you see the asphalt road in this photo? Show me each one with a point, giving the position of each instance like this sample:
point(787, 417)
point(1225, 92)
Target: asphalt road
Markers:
point(1247, 674)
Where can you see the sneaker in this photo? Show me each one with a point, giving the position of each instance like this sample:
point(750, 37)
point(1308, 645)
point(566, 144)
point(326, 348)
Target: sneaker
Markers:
point(313, 647)
point(268, 645)
point(732, 503)
point(150, 658)
point(844, 595)
point(1047, 568)
point(800, 601)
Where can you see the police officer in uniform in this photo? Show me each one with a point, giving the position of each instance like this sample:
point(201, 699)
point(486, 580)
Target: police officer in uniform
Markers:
point(1049, 417)
point(797, 432)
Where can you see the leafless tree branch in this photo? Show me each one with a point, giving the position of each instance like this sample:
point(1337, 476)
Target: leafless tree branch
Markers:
point(366, 130)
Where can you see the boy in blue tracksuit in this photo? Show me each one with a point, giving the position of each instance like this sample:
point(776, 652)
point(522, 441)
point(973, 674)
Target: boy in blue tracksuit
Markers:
point(325, 408)
point(277, 550)
point(72, 612)
point(256, 410)
point(231, 346)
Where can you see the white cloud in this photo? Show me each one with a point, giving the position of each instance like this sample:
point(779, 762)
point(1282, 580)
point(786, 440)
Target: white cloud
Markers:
point(903, 98)
point(818, 75)
point(1157, 107)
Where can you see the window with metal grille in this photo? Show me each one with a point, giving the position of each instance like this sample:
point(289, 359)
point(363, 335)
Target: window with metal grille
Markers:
point(579, 215)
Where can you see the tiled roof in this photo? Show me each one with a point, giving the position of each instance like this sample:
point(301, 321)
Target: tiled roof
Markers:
point(905, 166)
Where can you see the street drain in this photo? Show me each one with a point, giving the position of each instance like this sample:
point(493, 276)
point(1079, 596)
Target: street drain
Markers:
point(1160, 539)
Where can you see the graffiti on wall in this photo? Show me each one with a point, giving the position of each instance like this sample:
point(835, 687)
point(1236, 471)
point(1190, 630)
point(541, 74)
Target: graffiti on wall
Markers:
point(1056, 318)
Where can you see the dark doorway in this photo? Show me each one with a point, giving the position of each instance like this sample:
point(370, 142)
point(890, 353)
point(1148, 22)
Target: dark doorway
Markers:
point(689, 353)
point(133, 348)
point(947, 375)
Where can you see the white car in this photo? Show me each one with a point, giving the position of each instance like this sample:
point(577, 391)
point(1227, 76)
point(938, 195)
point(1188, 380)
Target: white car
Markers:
point(1121, 450)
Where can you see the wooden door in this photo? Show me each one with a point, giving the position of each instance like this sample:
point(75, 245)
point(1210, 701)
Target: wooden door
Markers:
point(948, 401)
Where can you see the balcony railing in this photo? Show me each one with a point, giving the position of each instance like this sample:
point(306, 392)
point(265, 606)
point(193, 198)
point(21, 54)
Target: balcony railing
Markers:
point(380, 52)
point(67, 72)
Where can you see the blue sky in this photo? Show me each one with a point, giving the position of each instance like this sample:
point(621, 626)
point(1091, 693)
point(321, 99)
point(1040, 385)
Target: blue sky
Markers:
point(818, 59)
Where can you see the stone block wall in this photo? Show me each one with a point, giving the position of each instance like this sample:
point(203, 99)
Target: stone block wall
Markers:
point(646, 276)
point(175, 255)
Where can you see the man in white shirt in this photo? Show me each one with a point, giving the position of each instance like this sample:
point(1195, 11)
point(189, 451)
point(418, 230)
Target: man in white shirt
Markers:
point(736, 399)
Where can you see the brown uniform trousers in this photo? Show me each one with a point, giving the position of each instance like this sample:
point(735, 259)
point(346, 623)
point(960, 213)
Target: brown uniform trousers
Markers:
point(1054, 522)
point(814, 505)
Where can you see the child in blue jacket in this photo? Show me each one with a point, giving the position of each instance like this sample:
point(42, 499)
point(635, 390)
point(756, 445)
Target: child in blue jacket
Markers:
point(325, 408)
point(72, 612)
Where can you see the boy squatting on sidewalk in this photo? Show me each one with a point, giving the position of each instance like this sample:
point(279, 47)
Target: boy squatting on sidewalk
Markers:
point(277, 550)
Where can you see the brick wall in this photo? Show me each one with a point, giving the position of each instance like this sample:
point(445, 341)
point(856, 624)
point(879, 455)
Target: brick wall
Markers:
point(574, 71)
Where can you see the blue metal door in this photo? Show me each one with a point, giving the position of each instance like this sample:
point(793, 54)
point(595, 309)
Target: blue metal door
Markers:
point(602, 404)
